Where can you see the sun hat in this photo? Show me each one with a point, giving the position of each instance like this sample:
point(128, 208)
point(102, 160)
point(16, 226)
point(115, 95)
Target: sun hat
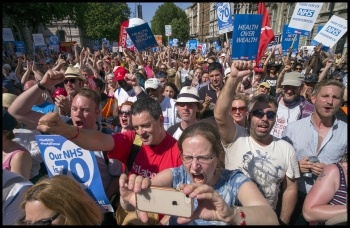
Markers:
point(265, 84)
point(8, 122)
point(152, 83)
point(7, 99)
point(292, 79)
point(120, 73)
point(188, 94)
point(73, 72)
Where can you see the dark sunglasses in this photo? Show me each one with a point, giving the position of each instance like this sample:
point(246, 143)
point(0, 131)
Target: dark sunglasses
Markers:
point(185, 62)
point(121, 113)
point(189, 104)
point(163, 68)
point(299, 68)
point(42, 222)
point(72, 81)
point(240, 109)
point(260, 114)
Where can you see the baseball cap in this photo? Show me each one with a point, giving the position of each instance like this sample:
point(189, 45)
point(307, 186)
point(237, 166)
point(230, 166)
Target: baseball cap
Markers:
point(120, 73)
point(310, 78)
point(188, 94)
point(265, 84)
point(292, 79)
point(152, 83)
point(223, 55)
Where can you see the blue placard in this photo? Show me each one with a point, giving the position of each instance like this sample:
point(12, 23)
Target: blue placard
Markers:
point(20, 46)
point(175, 42)
point(246, 36)
point(170, 42)
point(62, 156)
point(187, 45)
point(204, 48)
point(287, 40)
point(319, 28)
point(225, 23)
point(193, 44)
point(142, 37)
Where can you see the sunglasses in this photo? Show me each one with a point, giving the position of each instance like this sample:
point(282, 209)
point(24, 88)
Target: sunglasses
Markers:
point(185, 62)
point(260, 114)
point(42, 222)
point(72, 81)
point(163, 68)
point(240, 109)
point(189, 104)
point(299, 68)
point(121, 113)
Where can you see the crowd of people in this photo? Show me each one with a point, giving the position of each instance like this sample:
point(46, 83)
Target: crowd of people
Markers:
point(239, 137)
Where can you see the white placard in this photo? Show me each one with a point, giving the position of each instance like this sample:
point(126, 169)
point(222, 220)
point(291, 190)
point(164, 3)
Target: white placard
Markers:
point(38, 39)
point(168, 30)
point(335, 28)
point(304, 18)
point(7, 35)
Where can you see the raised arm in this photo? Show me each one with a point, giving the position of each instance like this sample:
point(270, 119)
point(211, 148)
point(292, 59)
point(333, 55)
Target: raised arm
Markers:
point(227, 127)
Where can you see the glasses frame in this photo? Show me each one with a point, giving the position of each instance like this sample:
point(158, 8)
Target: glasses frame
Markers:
point(188, 104)
point(207, 159)
point(43, 222)
point(260, 114)
point(241, 109)
point(121, 113)
point(71, 80)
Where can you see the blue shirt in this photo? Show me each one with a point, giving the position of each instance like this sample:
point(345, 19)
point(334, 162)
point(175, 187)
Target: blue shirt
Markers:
point(45, 107)
point(227, 186)
point(303, 136)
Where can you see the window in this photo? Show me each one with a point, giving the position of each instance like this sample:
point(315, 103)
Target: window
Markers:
point(290, 12)
point(273, 20)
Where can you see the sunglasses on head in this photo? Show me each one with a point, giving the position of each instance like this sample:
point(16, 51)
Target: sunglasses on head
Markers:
point(260, 114)
point(72, 80)
point(42, 222)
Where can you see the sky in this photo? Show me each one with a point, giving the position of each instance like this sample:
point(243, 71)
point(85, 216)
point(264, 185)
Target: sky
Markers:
point(149, 9)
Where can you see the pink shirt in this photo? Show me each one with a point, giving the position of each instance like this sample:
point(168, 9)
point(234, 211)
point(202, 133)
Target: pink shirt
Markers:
point(7, 163)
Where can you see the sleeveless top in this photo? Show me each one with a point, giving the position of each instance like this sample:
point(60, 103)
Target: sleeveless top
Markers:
point(340, 196)
point(7, 163)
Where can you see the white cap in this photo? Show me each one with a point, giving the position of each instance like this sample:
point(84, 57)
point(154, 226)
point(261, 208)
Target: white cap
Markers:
point(152, 83)
point(227, 71)
point(223, 55)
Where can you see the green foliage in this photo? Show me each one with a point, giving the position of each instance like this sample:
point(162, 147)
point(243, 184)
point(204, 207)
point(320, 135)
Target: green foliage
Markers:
point(170, 14)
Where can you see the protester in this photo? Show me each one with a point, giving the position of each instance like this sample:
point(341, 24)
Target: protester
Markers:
point(59, 200)
point(171, 90)
point(239, 109)
point(216, 191)
point(321, 134)
point(327, 197)
point(268, 161)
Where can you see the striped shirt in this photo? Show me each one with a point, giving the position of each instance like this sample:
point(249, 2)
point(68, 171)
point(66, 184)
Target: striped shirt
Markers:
point(341, 194)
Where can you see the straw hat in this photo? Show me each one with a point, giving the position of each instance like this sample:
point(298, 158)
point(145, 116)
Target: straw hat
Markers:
point(73, 72)
point(7, 99)
point(130, 218)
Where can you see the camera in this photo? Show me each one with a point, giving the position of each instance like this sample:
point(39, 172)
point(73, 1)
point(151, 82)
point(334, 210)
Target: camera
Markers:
point(312, 159)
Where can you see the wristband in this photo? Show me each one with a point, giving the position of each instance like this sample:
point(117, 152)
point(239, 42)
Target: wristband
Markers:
point(242, 215)
point(40, 85)
point(76, 136)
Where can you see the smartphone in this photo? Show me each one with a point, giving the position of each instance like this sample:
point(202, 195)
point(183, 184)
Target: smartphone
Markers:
point(164, 200)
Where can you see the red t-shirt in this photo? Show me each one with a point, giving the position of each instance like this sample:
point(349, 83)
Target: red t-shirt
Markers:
point(150, 160)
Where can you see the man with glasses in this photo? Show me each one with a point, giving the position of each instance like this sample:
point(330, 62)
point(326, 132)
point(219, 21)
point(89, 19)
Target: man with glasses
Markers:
point(291, 105)
point(268, 161)
point(185, 74)
point(188, 107)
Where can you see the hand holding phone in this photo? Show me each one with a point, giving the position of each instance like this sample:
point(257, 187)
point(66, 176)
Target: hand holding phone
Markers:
point(164, 200)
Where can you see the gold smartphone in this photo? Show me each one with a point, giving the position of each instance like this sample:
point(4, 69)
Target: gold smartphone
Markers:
point(164, 200)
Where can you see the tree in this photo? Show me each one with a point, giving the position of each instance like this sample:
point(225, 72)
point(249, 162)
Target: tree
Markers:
point(170, 14)
point(102, 20)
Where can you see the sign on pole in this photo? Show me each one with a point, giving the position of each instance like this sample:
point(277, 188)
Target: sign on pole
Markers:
point(142, 37)
point(7, 35)
point(223, 10)
point(331, 32)
point(304, 18)
point(246, 36)
point(38, 40)
point(287, 41)
point(168, 31)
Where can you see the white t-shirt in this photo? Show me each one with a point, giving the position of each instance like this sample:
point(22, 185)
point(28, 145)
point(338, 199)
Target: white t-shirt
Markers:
point(266, 166)
point(121, 95)
point(285, 116)
point(169, 112)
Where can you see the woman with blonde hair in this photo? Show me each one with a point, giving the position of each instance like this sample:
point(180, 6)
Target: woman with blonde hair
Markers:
point(59, 200)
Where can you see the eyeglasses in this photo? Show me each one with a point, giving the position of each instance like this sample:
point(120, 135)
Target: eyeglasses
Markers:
point(240, 109)
point(201, 159)
point(121, 113)
point(42, 222)
point(189, 104)
point(185, 62)
point(260, 114)
point(261, 86)
point(72, 81)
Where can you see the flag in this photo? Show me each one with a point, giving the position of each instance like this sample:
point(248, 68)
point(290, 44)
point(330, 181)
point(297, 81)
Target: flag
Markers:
point(267, 34)
point(122, 33)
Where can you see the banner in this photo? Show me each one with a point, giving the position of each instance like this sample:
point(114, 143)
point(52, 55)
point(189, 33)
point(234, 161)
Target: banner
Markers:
point(168, 31)
point(142, 37)
point(287, 40)
point(62, 156)
point(223, 10)
point(20, 47)
point(175, 42)
point(304, 18)
point(331, 32)
point(7, 35)
point(246, 36)
point(122, 33)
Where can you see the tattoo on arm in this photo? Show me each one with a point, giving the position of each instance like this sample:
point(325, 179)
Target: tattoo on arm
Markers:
point(321, 175)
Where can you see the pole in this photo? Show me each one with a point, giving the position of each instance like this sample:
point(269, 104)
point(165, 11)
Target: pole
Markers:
point(295, 37)
point(168, 41)
point(226, 37)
